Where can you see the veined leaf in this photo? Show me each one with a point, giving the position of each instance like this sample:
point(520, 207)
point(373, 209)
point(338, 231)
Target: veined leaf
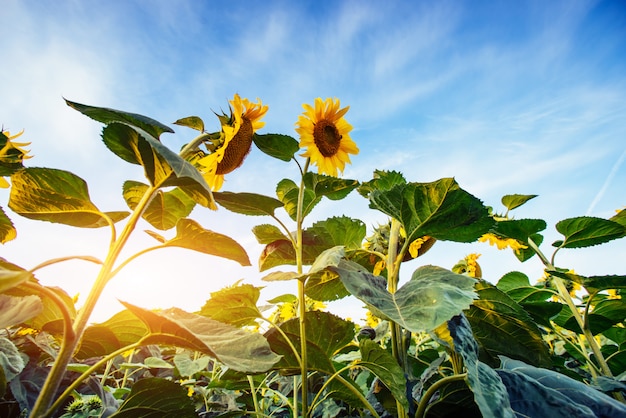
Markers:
point(7, 230)
point(11, 362)
point(586, 231)
point(340, 230)
point(50, 319)
point(14, 310)
point(333, 188)
point(325, 286)
point(282, 147)
point(620, 218)
point(190, 235)
point(326, 335)
point(107, 116)
point(378, 361)
point(10, 278)
point(155, 397)
point(193, 122)
point(121, 330)
point(382, 181)
point(431, 297)
point(248, 203)
point(188, 367)
point(267, 233)
point(502, 327)
point(592, 282)
point(238, 349)
point(512, 201)
point(234, 305)
point(287, 192)
point(327, 258)
point(165, 208)
point(55, 196)
point(440, 209)
point(490, 394)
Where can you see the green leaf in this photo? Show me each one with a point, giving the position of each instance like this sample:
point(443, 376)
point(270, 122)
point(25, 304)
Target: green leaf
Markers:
point(188, 367)
point(155, 397)
point(542, 392)
point(326, 335)
point(238, 349)
point(339, 230)
point(333, 188)
point(11, 362)
point(512, 201)
point(620, 218)
point(121, 330)
point(384, 366)
point(248, 203)
point(267, 233)
point(164, 210)
point(281, 252)
point(234, 305)
point(55, 196)
point(586, 231)
point(489, 392)
point(440, 209)
point(193, 122)
point(287, 192)
point(593, 282)
point(382, 181)
point(277, 253)
point(7, 230)
point(15, 310)
point(522, 230)
point(10, 278)
point(502, 327)
point(107, 116)
point(157, 363)
point(325, 286)
point(50, 319)
point(278, 146)
point(431, 297)
point(327, 258)
point(190, 235)
point(517, 286)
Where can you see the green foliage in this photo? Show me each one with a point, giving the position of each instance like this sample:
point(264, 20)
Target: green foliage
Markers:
point(156, 397)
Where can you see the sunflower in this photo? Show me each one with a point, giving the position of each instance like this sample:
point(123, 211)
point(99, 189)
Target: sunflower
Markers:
point(235, 140)
point(12, 154)
point(325, 134)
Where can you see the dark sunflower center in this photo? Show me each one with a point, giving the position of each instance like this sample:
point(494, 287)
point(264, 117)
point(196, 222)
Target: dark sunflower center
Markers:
point(237, 148)
point(327, 138)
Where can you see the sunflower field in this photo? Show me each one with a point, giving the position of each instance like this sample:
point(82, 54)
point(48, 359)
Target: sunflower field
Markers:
point(443, 343)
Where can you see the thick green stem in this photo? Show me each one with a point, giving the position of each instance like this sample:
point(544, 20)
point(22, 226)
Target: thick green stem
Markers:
point(301, 295)
point(191, 146)
point(423, 404)
point(68, 346)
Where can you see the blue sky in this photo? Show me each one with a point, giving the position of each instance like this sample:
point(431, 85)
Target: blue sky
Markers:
point(508, 97)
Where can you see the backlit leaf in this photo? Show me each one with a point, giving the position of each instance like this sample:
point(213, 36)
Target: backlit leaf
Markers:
point(55, 196)
point(586, 231)
point(14, 310)
point(512, 201)
point(287, 192)
point(7, 230)
point(10, 278)
point(190, 235)
point(278, 146)
point(236, 348)
point(193, 122)
point(378, 361)
point(331, 187)
point(11, 361)
point(247, 203)
point(156, 397)
point(165, 208)
point(620, 218)
point(235, 305)
point(121, 330)
point(431, 297)
point(339, 230)
point(267, 233)
point(383, 180)
point(440, 209)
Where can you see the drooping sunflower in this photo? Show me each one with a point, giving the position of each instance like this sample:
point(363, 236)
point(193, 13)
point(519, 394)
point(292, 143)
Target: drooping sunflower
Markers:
point(324, 132)
point(235, 140)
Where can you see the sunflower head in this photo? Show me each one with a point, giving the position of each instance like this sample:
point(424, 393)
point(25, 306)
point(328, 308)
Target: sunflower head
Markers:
point(324, 133)
point(12, 155)
point(232, 145)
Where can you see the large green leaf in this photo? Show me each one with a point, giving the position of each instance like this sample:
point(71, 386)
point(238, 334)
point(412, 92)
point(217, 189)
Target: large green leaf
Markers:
point(502, 326)
point(378, 361)
point(107, 116)
point(440, 209)
point(333, 188)
point(121, 330)
point(165, 208)
point(541, 392)
point(620, 217)
point(11, 361)
point(339, 230)
point(156, 398)
point(522, 230)
point(248, 203)
point(534, 299)
point(14, 310)
point(326, 335)
point(431, 297)
point(586, 231)
point(236, 348)
point(50, 318)
point(593, 282)
point(278, 146)
point(190, 235)
point(605, 314)
point(7, 230)
point(512, 201)
point(193, 122)
point(55, 196)
point(315, 240)
point(383, 180)
point(234, 305)
point(287, 192)
point(267, 233)
point(489, 393)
